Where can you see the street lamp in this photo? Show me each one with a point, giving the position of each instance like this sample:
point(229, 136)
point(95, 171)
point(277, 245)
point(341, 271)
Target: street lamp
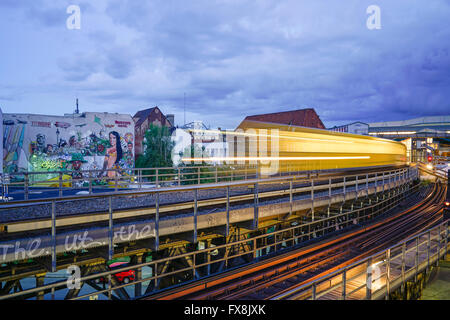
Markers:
point(57, 137)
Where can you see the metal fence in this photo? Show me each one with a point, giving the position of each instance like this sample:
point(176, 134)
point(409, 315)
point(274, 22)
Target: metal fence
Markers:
point(257, 246)
point(316, 191)
point(23, 185)
point(377, 276)
point(439, 172)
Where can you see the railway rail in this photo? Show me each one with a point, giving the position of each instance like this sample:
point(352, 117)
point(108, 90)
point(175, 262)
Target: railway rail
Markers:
point(274, 277)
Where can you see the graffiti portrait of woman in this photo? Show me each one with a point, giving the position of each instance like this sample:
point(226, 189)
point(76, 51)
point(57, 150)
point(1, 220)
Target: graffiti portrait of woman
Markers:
point(113, 154)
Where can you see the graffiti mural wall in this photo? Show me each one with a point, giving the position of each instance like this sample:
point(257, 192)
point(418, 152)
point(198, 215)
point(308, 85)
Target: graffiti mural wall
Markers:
point(95, 141)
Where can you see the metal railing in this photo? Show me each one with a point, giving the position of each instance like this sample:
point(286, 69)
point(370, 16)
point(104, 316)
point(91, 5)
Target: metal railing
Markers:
point(377, 276)
point(433, 170)
point(49, 184)
point(22, 185)
point(257, 247)
point(150, 228)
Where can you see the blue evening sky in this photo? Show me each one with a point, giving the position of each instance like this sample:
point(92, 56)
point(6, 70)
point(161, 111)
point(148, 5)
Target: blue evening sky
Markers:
point(232, 58)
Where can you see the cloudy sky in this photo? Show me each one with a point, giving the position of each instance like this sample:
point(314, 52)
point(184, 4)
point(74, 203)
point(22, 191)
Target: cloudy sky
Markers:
point(232, 58)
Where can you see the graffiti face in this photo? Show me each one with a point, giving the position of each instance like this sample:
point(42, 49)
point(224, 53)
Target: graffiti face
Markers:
point(40, 141)
point(49, 150)
point(112, 139)
point(76, 165)
point(72, 141)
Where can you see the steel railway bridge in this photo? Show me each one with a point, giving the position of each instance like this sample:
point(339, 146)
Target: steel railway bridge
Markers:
point(176, 233)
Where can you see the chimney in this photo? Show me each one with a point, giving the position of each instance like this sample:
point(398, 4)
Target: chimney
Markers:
point(171, 118)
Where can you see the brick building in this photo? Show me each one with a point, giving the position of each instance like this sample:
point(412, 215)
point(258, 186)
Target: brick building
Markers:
point(142, 120)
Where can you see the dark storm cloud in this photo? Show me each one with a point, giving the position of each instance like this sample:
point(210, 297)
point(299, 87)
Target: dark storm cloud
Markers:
point(236, 58)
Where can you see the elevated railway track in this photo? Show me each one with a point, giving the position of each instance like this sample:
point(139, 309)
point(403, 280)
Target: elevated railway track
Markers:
point(305, 211)
point(278, 277)
point(222, 204)
point(184, 226)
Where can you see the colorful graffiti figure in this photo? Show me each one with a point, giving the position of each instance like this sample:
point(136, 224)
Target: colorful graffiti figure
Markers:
point(49, 150)
point(77, 161)
point(113, 154)
point(129, 159)
point(40, 143)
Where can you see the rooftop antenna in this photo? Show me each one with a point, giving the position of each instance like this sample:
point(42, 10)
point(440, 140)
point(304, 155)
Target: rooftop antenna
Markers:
point(77, 110)
point(184, 104)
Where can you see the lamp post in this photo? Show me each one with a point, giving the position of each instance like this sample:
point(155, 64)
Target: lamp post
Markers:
point(57, 137)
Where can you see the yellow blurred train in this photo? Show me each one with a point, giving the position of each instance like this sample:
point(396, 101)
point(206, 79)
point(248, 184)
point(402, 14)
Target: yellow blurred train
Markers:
point(293, 148)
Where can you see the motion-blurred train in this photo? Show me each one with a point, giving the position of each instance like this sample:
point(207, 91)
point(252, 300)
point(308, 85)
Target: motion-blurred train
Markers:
point(294, 148)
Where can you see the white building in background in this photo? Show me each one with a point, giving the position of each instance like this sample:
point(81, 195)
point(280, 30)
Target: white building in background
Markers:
point(357, 127)
point(209, 143)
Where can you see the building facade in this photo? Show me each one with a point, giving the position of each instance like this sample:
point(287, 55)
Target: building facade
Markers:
point(208, 144)
point(354, 127)
point(89, 140)
point(142, 120)
point(423, 136)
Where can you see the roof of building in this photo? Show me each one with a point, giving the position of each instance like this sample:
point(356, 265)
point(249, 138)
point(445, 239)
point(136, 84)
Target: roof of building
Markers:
point(302, 117)
point(424, 121)
point(152, 113)
point(142, 115)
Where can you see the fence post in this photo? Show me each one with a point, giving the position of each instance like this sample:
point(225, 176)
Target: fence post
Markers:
point(255, 212)
point(290, 197)
point(344, 284)
point(417, 259)
point(312, 199)
point(388, 273)
point(313, 294)
point(215, 174)
point(329, 196)
point(369, 280)
point(53, 236)
point(26, 186)
point(115, 180)
point(110, 230)
point(367, 184)
point(90, 182)
point(195, 215)
point(428, 250)
point(157, 222)
point(344, 189)
point(227, 232)
point(60, 184)
point(403, 262)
